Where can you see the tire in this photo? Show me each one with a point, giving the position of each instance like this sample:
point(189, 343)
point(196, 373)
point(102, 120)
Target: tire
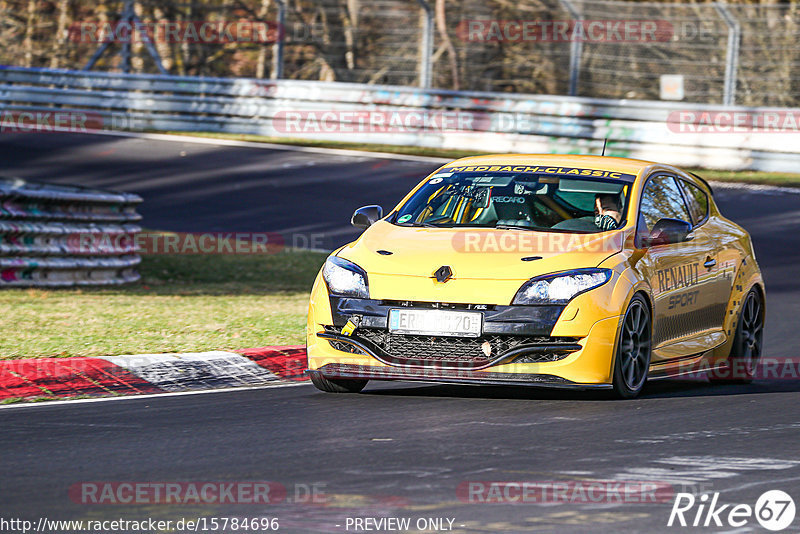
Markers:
point(634, 348)
point(337, 385)
point(747, 342)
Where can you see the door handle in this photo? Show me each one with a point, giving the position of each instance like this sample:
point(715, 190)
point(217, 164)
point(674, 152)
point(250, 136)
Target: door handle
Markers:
point(709, 263)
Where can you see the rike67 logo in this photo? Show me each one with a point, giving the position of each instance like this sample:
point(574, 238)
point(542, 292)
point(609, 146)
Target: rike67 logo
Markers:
point(774, 510)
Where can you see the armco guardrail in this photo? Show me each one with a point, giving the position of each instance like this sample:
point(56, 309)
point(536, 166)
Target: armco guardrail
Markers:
point(58, 236)
point(674, 132)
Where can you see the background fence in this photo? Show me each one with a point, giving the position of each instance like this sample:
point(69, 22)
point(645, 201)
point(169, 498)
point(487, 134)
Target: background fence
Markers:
point(745, 53)
point(484, 122)
point(55, 236)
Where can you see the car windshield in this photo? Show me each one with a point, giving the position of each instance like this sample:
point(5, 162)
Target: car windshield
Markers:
point(548, 203)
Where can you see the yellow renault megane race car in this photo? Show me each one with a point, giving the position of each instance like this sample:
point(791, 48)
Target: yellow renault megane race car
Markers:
point(559, 271)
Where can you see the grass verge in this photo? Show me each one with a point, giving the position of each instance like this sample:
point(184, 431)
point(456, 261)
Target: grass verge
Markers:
point(752, 177)
point(182, 304)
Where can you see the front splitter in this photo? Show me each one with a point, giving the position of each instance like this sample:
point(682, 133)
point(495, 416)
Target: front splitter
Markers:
point(448, 376)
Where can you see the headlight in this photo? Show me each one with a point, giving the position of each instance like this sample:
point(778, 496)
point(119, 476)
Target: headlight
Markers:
point(560, 288)
point(345, 278)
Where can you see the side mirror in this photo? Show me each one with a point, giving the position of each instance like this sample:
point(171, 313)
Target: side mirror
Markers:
point(669, 231)
point(366, 216)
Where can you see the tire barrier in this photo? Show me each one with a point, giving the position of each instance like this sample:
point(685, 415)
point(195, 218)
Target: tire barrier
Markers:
point(61, 236)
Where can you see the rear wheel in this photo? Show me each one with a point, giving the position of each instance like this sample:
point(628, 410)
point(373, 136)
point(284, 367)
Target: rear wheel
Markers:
point(337, 385)
point(747, 342)
point(632, 361)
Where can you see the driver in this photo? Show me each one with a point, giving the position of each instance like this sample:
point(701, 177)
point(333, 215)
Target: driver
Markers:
point(607, 211)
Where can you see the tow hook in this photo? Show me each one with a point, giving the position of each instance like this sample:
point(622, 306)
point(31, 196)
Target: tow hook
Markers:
point(352, 324)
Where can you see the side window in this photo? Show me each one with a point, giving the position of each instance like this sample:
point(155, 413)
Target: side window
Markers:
point(697, 199)
point(661, 199)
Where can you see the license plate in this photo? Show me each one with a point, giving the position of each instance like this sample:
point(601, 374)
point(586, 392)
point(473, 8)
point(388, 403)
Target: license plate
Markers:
point(435, 322)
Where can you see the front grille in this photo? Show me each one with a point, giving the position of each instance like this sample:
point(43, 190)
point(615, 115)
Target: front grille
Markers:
point(345, 347)
point(461, 352)
point(436, 305)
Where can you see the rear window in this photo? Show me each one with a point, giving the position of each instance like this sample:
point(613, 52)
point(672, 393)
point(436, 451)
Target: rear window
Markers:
point(697, 200)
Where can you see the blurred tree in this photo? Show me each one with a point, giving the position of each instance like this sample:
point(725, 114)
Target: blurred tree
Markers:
point(378, 41)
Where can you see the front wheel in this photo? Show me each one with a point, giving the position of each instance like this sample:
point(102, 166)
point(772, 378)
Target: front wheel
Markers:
point(337, 385)
point(632, 361)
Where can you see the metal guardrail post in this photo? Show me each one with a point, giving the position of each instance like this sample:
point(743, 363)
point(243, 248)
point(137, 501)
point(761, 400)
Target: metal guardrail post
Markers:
point(732, 54)
point(426, 52)
point(278, 47)
point(129, 17)
point(575, 51)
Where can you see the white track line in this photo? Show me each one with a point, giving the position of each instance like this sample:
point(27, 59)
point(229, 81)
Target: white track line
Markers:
point(59, 402)
point(755, 188)
point(270, 146)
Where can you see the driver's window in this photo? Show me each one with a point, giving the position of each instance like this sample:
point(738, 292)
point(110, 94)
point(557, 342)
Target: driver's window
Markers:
point(661, 199)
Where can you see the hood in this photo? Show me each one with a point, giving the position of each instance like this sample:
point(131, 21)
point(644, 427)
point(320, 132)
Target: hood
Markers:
point(481, 254)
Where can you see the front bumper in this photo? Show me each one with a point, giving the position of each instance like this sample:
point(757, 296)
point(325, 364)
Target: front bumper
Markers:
point(427, 352)
point(584, 361)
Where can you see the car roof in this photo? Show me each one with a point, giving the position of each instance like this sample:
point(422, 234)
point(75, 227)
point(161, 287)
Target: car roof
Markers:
point(605, 163)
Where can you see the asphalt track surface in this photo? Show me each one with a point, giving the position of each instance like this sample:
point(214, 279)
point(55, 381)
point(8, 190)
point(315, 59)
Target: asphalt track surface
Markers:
point(395, 450)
